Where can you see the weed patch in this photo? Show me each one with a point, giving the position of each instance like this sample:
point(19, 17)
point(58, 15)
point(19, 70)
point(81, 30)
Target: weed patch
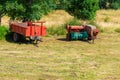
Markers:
point(117, 30)
point(106, 19)
point(56, 31)
point(61, 30)
point(74, 21)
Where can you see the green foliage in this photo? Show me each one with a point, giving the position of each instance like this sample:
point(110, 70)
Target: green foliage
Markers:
point(3, 32)
point(109, 4)
point(31, 10)
point(89, 9)
point(14, 10)
point(35, 9)
point(2, 7)
point(85, 9)
point(102, 4)
point(26, 10)
point(63, 4)
point(115, 5)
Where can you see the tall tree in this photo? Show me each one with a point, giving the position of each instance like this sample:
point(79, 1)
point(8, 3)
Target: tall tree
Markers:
point(85, 9)
point(14, 9)
point(63, 4)
point(26, 10)
point(31, 9)
point(102, 4)
point(10, 8)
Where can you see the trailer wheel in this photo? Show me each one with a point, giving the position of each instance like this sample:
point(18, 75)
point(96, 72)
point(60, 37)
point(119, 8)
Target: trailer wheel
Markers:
point(16, 37)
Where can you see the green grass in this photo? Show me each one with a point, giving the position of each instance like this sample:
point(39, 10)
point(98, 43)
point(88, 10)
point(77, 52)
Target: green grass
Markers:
point(56, 59)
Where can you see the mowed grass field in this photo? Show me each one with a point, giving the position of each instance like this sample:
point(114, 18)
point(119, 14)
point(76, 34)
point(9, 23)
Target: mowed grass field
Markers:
point(57, 59)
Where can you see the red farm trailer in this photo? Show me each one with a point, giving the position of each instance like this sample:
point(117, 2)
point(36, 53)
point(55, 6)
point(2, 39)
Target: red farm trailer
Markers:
point(32, 30)
point(85, 32)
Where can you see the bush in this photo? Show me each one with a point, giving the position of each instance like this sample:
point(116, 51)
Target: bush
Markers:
point(3, 32)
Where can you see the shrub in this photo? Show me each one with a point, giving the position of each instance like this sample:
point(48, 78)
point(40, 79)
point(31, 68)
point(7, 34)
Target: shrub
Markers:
point(3, 32)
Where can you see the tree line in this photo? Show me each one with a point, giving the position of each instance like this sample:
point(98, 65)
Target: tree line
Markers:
point(109, 4)
point(30, 10)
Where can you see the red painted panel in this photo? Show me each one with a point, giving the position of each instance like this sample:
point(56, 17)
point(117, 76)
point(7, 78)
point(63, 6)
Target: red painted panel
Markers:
point(30, 30)
point(43, 31)
point(27, 32)
point(74, 28)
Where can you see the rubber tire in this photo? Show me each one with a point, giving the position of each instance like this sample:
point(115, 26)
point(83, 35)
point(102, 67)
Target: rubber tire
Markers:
point(16, 37)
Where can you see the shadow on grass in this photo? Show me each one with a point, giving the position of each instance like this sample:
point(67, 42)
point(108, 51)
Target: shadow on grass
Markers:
point(23, 40)
point(64, 39)
point(8, 37)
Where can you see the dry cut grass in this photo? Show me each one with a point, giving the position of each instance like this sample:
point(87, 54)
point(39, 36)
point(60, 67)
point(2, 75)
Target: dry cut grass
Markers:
point(57, 18)
point(108, 18)
point(5, 20)
point(57, 59)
